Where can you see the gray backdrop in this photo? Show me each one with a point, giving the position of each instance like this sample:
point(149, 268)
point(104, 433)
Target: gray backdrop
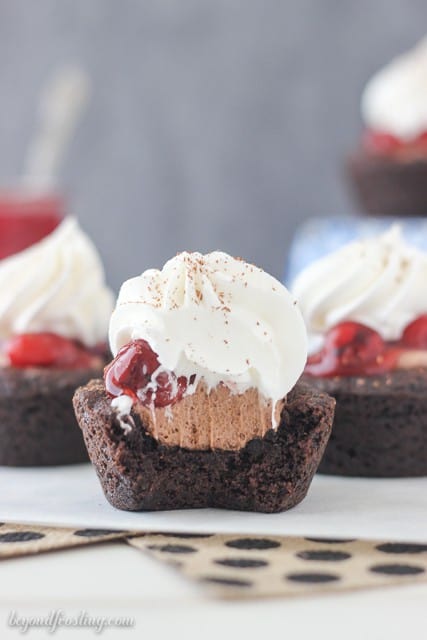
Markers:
point(213, 123)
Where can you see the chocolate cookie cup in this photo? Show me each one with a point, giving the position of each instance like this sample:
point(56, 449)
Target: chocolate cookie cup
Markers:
point(386, 186)
point(37, 422)
point(380, 425)
point(268, 474)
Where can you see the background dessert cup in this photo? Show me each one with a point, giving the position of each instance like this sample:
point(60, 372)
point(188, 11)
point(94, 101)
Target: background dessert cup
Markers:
point(199, 408)
point(388, 171)
point(366, 312)
point(54, 309)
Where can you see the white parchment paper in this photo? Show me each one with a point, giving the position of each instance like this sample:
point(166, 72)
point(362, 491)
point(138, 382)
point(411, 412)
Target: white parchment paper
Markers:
point(392, 509)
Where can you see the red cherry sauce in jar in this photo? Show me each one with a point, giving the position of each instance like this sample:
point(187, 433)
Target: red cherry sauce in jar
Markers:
point(26, 217)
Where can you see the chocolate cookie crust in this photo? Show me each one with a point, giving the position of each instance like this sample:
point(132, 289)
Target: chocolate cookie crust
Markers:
point(380, 425)
point(388, 187)
point(268, 474)
point(37, 421)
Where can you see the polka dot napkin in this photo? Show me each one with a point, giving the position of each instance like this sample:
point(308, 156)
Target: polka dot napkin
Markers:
point(233, 566)
point(21, 540)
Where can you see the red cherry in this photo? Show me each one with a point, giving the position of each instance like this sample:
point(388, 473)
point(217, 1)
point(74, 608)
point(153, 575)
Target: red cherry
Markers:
point(354, 343)
point(381, 142)
point(46, 350)
point(131, 369)
point(131, 372)
point(415, 334)
point(168, 390)
point(351, 348)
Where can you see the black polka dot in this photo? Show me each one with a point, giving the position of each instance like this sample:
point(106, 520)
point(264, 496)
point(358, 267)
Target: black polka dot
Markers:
point(229, 582)
point(253, 543)
point(397, 569)
point(182, 535)
point(172, 548)
point(89, 533)
point(242, 563)
point(325, 555)
point(401, 547)
point(312, 578)
point(331, 540)
point(21, 536)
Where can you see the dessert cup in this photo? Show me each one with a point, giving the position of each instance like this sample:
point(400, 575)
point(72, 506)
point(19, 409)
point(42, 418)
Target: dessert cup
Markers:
point(388, 171)
point(200, 406)
point(367, 319)
point(54, 309)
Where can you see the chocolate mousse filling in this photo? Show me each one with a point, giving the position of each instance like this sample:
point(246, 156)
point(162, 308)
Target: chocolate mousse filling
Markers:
point(202, 420)
point(270, 472)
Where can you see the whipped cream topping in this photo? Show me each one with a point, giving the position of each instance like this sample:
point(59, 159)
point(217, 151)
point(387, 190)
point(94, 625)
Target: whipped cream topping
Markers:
point(218, 318)
point(380, 282)
point(395, 99)
point(56, 285)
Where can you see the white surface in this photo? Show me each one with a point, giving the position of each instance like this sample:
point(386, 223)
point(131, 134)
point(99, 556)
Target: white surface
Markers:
point(115, 580)
point(335, 507)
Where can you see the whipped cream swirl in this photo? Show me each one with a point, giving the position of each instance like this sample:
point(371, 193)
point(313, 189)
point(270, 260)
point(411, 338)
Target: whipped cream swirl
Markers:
point(218, 318)
point(380, 282)
point(57, 285)
point(395, 99)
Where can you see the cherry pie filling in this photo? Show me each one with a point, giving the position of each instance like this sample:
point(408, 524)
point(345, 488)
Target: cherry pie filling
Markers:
point(353, 349)
point(386, 144)
point(50, 350)
point(137, 372)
